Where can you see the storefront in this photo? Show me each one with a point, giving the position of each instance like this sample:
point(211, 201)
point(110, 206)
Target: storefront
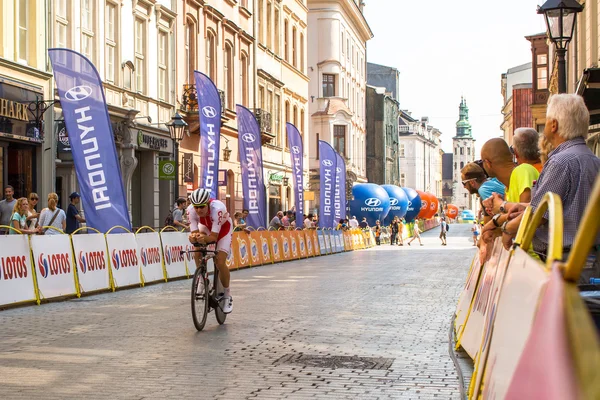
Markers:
point(279, 193)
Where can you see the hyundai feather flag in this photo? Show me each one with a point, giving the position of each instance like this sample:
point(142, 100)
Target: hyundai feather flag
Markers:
point(327, 184)
point(92, 142)
point(252, 167)
point(341, 179)
point(297, 155)
point(337, 203)
point(209, 110)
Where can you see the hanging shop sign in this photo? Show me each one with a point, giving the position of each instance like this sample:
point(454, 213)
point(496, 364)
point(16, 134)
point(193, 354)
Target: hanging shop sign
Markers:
point(154, 142)
point(188, 167)
point(63, 143)
point(14, 110)
point(167, 170)
point(222, 177)
point(276, 177)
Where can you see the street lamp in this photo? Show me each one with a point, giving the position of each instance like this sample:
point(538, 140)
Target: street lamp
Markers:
point(561, 17)
point(177, 128)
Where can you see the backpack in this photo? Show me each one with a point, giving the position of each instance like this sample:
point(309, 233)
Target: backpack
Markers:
point(447, 227)
point(169, 219)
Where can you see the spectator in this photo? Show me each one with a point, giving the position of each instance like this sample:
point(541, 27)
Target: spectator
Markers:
point(19, 217)
point(275, 223)
point(308, 222)
point(53, 216)
point(73, 217)
point(526, 147)
point(186, 216)
point(315, 220)
point(178, 214)
point(443, 231)
point(6, 208)
point(244, 218)
point(377, 230)
point(363, 224)
point(353, 222)
point(394, 228)
point(570, 172)
point(474, 179)
point(286, 220)
point(416, 232)
point(475, 230)
point(401, 231)
point(32, 214)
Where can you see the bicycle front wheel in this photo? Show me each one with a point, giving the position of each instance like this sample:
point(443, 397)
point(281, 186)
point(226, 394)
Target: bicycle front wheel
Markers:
point(199, 299)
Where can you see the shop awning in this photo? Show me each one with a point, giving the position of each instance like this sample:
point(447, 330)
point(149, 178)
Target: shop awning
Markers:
point(589, 88)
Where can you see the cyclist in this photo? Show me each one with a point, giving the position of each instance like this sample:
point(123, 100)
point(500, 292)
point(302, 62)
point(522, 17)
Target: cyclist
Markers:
point(210, 223)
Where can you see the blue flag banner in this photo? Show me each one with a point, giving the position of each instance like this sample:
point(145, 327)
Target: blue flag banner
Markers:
point(250, 147)
point(209, 110)
point(91, 138)
point(297, 154)
point(340, 180)
point(327, 179)
point(337, 203)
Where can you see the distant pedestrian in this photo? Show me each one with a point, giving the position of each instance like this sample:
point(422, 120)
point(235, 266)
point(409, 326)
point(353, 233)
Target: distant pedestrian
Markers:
point(394, 228)
point(444, 230)
point(416, 232)
point(401, 231)
point(475, 230)
point(52, 216)
point(377, 230)
point(19, 218)
point(353, 222)
point(73, 216)
point(6, 208)
point(363, 224)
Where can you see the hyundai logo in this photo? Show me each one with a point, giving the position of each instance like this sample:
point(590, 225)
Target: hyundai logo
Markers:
point(409, 204)
point(373, 202)
point(328, 163)
point(295, 149)
point(338, 170)
point(209, 112)
point(248, 137)
point(78, 93)
point(393, 202)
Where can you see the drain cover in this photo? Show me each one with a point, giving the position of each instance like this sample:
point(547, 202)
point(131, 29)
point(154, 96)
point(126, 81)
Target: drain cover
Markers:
point(337, 362)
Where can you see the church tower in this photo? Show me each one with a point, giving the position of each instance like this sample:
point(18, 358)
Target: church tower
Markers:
point(464, 153)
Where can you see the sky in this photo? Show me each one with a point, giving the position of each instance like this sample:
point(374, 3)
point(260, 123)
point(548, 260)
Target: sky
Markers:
point(448, 49)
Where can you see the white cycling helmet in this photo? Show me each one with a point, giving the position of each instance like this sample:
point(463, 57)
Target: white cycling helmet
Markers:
point(200, 196)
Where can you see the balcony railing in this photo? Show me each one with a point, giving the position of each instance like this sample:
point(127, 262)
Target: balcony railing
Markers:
point(189, 99)
point(263, 118)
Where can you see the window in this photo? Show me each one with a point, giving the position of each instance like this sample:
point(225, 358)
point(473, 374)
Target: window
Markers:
point(61, 8)
point(402, 151)
point(211, 55)
point(163, 63)
point(228, 59)
point(343, 44)
point(462, 165)
point(285, 41)
point(261, 97)
point(317, 152)
point(462, 151)
point(111, 42)
point(328, 85)
point(468, 151)
point(302, 122)
point(302, 52)
point(295, 115)
point(140, 52)
point(61, 27)
point(277, 33)
point(542, 59)
point(190, 49)
point(403, 180)
point(287, 119)
point(277, 116)
point(542, 78)
point(87, 29)
point(244, 78)
point(294, 48)
point(339, 139)
point(261, 19)
point(269, 26)
point(454, 165)
point(23, 25)
point(456, 151)
point(128, 75)
point(348, 47)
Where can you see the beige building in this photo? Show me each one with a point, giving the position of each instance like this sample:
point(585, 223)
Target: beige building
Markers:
point(25, 162)
point(337, 39)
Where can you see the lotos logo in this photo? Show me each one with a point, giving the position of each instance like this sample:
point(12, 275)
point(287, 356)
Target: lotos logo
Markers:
point(424, 205)
point(253, 249)
point(286, 247)
point(302, 246)
point(328, 163)
point(248, 137)
point(373, 202)
point(54, 264)
point(296, 149)
point(91, 261)
point(124, 258)
point(150, 256)
point(265, 248)
point(13, 267)
point(294, 247)
point(276, 248)
point(209, 112)
point(243, 250)
point(393, 202)
point(173, 254)
point(432, 206)
point(309, 244)
point(78, 93)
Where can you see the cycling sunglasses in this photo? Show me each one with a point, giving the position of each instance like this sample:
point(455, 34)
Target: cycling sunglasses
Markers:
point(200, 206)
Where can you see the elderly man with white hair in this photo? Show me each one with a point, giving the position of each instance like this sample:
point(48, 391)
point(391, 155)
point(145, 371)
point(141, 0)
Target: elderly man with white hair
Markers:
point(570, 172)
point(525, 147)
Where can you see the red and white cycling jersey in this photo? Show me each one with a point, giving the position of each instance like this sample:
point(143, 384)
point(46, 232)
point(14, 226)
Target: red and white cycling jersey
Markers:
point(217, 221)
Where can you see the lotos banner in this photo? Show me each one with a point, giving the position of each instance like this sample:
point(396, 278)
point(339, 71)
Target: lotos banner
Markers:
point(327, 179)
point(124, 259)
point(252, 168)
point(262, 241)
point(54, 265)
point(91, 137)
point(173, 243)
point(91, 260)
point(209, 110)
point(340, 186)
point(276, 246)
point(297, 154)
point(151, 256)
point(463, 307)
point(16, 276)
point(241, 245)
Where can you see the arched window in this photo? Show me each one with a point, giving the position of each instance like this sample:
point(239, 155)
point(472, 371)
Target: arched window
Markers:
point(190, 49)
point(211, 55)
point(228, 58)
point(295, 116)
point(294, 48)
point(287, 119)
point(462, 151)
point(462, 165)
point(302, 122)
point(286, 41)
point(244, 77)
point(302, 52)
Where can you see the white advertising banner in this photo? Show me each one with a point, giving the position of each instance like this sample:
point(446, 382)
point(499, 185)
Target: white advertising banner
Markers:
point(124, 259)
point(53, 261)
point(524, 283)
point(16, 275)
point(322, 244)
point(173, 243)
point(151, 256)
point(91, 258)
point(466, 297)
point(328, 241)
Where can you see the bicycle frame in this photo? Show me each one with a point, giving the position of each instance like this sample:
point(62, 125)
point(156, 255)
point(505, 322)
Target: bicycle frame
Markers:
point(206, 255)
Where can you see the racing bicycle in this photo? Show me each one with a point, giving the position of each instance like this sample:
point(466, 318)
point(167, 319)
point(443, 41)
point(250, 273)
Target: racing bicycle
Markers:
point(206, 295)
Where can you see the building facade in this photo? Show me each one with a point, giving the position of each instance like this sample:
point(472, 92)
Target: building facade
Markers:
point(382, 137)
point(517, 97)
point(540, 80)
point(384, 76)
point(337, 38)
point(464, 152)
point(419, 154)
point(447, 177)
point(26, 140)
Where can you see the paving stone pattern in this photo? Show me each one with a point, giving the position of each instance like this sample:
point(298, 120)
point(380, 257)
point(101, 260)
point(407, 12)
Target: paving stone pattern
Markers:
point(384, 303)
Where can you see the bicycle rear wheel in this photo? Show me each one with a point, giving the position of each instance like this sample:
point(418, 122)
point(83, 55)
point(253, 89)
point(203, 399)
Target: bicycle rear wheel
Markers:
point(199, 299)
point(218, 288)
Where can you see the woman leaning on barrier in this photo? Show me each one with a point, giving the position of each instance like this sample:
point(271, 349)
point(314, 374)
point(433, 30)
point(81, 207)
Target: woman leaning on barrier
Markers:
point(53, 216)
point(18, 220)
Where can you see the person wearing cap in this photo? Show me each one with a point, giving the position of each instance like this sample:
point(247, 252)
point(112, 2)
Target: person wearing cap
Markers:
point(73, 217)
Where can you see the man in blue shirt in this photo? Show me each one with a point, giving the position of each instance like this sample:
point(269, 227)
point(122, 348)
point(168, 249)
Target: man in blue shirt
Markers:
point(475, 180)
point(73, 217)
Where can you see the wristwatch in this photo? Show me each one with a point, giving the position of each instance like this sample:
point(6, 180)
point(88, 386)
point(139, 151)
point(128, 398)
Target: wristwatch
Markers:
point(495, 220)
point(503, 209)
point(503, 228)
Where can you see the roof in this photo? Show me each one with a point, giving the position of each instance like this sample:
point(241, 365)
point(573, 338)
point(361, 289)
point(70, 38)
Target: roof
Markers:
point(520, 68)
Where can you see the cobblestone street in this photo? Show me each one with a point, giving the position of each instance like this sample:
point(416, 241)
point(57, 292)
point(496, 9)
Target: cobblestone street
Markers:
point(292, 325)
